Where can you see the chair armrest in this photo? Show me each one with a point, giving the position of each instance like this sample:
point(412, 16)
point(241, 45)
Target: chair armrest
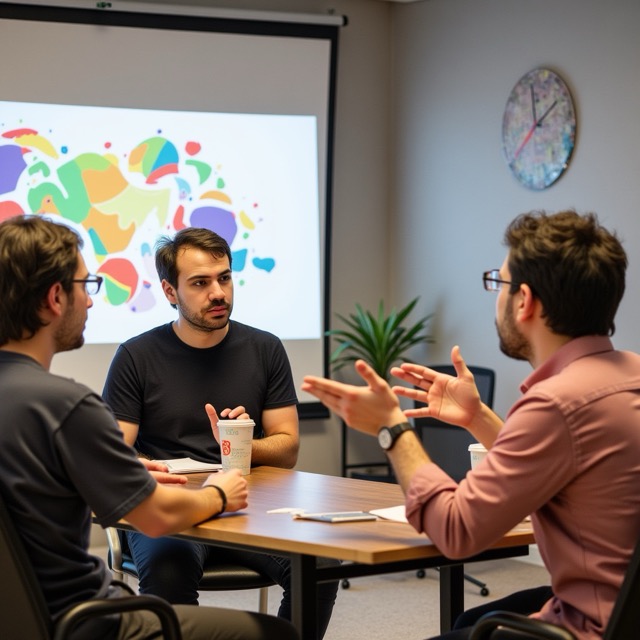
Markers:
point(529, 627)
point(107, 606)
point(114, 557)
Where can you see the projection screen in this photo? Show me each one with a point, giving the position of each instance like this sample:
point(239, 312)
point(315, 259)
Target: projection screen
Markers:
point(128, 126)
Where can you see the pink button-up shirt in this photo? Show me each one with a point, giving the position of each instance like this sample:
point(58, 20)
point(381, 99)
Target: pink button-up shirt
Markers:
point(569, 455)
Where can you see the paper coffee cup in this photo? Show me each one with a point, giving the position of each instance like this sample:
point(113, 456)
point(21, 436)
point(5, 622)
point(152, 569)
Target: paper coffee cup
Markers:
point(236, 437)
point(477, 453)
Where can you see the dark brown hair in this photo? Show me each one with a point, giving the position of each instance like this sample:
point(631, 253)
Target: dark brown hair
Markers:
point(35, 254)
point(167, 250)
point(573, 265)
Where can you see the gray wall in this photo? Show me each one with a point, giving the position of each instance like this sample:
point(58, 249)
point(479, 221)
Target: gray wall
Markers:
point(455, 62)
point(422, 193)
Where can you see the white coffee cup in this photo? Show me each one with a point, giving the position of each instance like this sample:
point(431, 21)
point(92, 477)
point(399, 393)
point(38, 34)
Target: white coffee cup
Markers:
point(236, 437)
point(477, 453)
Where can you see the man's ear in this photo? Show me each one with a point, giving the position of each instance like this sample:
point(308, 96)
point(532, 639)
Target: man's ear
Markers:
point(526, 303)
point(53, 301)
point(169, 292)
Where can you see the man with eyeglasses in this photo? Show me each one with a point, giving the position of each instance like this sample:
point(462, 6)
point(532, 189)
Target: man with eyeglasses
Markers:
point(568, 452)
point(62, 454)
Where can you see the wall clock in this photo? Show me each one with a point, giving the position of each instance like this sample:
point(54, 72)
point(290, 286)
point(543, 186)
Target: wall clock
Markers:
point(539, 128)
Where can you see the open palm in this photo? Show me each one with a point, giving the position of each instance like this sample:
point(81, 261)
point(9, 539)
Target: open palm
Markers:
point(452, 399)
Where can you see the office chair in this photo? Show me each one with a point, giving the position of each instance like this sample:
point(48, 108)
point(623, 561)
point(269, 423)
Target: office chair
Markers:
point(623, 622)
point(448, 445)
point(217, 576)
point(24, 612)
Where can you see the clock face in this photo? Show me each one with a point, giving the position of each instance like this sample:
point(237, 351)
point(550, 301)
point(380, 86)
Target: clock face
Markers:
point(539, 129)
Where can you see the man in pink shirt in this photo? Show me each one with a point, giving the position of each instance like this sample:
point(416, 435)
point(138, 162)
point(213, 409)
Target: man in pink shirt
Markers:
point(568, 452)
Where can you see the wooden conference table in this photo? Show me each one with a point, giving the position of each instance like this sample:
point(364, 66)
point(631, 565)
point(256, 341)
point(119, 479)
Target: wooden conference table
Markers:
point(367, 548)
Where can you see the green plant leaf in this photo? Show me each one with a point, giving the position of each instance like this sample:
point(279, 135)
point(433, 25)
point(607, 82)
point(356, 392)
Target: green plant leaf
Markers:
point(382, 340)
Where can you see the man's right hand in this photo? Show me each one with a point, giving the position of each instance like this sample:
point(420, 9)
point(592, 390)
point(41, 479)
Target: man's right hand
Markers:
point(234, 485)
point(238, 413)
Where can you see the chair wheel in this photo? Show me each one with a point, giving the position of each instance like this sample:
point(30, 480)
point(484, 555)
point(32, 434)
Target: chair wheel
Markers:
point(484, 591)
point(345, 584)
point(421, 573)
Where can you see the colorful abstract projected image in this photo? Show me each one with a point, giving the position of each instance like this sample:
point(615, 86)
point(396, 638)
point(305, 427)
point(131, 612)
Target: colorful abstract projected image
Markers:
point(124, 177)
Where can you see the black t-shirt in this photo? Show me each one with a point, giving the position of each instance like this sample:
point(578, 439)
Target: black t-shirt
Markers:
point(162, 384)
point(62, 456)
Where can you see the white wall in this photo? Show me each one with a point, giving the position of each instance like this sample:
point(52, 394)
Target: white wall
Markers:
point(455, 62)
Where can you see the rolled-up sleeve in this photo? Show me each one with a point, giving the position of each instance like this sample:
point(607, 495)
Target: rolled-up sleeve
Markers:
point(428, 481)
point(528, 464)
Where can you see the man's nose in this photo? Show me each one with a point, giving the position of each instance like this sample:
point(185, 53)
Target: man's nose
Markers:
point(216, 291)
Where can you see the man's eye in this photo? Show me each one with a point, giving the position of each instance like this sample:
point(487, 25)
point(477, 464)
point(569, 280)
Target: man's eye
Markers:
point(225, 278)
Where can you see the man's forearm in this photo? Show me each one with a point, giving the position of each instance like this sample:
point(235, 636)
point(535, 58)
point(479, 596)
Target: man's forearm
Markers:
point(277, 450)
point(406, 457)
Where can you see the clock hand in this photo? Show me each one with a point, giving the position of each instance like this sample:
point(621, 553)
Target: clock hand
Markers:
point(546, 113)
point(524, 142)
point(533, 128)
point(533, 102)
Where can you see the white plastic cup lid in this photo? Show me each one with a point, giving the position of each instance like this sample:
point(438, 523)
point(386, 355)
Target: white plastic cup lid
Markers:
point(476, 446)
point(239, 423)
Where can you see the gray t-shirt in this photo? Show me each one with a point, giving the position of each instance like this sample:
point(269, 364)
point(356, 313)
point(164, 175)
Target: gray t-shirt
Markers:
point(62, 456)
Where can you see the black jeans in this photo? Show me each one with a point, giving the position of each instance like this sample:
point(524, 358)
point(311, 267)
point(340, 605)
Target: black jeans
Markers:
point(525, 602)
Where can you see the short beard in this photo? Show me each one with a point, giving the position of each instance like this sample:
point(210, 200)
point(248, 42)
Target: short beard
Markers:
point(199, 324)
point(69, 336)
point(512, 343)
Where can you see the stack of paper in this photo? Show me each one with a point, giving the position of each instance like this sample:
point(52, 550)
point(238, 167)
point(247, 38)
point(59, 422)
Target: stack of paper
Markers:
point(391, 513)
point(188, 465)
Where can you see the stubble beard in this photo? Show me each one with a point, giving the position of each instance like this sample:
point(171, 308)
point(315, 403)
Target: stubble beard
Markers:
point(199, 322)
point(512, 343)
point(70, 335)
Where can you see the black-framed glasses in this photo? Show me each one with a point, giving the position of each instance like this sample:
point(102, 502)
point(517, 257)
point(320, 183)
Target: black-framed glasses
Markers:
point(492, 281)
point(91, 283)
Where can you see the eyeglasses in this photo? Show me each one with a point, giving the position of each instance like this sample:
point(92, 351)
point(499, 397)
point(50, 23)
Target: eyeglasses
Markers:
point(492, 281)
point(91, 283)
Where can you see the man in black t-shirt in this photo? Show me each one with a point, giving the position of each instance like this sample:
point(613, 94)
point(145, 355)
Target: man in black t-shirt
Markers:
point(160, 383)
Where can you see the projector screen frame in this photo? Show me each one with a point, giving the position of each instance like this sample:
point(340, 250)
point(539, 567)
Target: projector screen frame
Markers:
point(175, 20)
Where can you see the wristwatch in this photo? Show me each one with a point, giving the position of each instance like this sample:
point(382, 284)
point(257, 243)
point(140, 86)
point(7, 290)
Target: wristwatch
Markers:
point(387, 436)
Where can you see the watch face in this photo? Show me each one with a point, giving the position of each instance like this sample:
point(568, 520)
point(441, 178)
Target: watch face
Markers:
point(384, 438)
point(539, 129)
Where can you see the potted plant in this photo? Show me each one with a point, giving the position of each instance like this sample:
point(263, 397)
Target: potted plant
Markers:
point(381, 340)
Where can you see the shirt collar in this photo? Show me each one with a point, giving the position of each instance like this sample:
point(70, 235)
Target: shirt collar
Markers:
point(568, 353)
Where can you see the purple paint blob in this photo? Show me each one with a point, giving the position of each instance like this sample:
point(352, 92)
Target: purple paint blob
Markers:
point(221, 221)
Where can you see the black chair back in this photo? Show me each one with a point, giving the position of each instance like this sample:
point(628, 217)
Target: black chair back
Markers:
point(447, 445)
point(23, 610)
